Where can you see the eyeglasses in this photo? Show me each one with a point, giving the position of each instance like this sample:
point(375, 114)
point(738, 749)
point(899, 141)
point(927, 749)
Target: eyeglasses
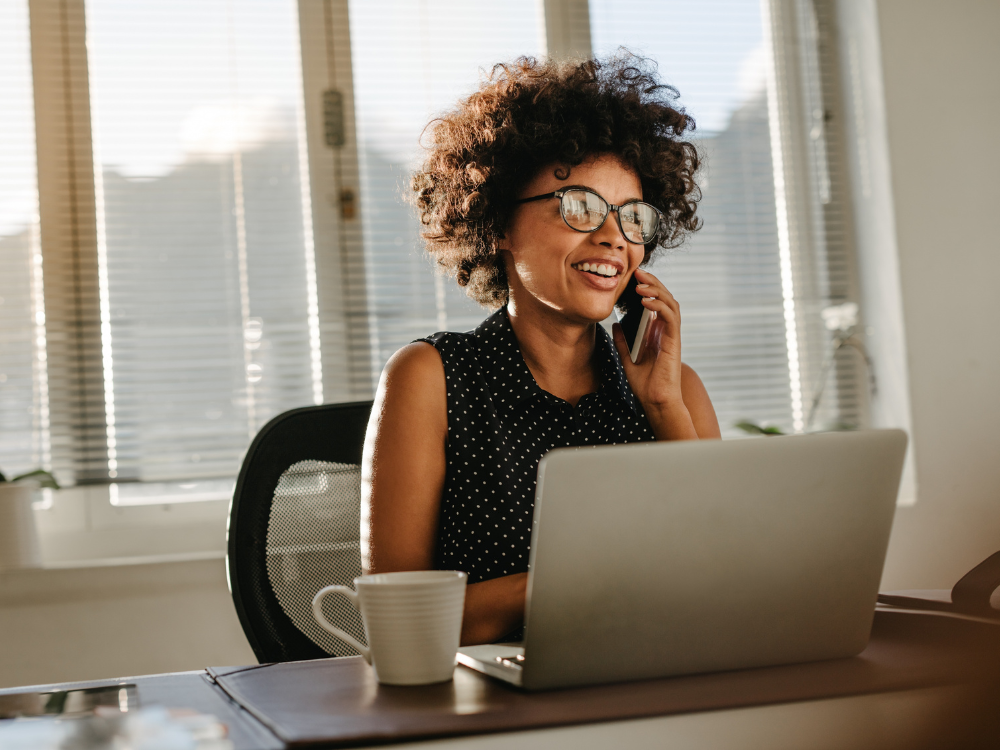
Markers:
point(585, 211)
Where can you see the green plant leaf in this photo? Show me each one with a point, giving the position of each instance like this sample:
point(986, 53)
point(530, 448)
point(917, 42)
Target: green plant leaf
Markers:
point(44, 478)
point(753, 428)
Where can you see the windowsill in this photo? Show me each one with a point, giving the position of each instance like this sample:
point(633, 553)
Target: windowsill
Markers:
point(82, 529)
point(99, 579)
point(110, 562)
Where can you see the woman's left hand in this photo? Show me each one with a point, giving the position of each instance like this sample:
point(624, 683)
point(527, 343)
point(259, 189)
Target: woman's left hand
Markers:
point(656, 378)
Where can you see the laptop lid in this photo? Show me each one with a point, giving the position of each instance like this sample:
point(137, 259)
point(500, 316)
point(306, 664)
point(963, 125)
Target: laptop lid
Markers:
point(671, 558)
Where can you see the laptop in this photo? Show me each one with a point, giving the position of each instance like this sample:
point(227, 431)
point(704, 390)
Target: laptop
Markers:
point(673, 558)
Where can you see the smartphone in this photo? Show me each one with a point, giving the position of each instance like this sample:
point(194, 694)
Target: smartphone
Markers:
point(634, 319)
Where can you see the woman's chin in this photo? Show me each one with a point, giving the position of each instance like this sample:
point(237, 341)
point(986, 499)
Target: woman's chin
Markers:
point(592, 313)
point(576, 308)
point(597, 307)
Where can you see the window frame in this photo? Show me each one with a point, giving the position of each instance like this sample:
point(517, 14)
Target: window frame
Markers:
point(77, 320)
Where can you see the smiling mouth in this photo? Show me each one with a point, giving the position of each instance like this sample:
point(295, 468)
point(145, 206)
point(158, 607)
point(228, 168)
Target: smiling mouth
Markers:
point(599, 269)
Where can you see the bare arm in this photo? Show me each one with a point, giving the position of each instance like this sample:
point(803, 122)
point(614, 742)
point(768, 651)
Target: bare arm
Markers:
point(402, 476)
point(403, 465)
point(699, 405)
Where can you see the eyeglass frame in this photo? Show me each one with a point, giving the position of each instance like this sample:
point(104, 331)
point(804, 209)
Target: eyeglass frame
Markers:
point(611, 208)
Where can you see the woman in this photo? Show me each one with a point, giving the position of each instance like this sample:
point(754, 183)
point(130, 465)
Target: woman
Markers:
point(461, 420)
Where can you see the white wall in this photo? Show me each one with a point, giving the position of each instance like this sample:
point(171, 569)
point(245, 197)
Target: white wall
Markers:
point(941, 63)
point(117, 620)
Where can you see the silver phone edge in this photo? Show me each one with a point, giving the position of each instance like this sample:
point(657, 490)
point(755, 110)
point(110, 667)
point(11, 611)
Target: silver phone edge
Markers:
point(640, 336)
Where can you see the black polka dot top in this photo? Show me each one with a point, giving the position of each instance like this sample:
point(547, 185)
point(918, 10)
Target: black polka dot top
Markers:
point(500, 424)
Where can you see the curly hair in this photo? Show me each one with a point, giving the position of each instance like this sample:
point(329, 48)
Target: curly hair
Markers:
point(529, 114)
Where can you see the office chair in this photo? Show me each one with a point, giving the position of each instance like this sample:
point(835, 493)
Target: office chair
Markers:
point(294, 526)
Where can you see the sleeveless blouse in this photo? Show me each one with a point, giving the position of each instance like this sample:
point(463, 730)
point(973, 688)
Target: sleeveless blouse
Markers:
point(500, 424)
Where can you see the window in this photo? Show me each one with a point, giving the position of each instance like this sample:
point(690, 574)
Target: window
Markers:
point(204, 230)
point(224, 235)
point(24, 441)
point(751, 294)
point(412, 60)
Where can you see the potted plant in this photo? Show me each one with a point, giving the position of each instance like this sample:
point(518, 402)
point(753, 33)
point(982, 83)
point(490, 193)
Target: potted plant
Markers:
point(18, 535)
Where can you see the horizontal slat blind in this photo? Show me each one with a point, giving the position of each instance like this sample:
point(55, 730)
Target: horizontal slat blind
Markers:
point(178, 310)
point(23, 434)
point(411, 60)
point(201, 229)
point(727, 277)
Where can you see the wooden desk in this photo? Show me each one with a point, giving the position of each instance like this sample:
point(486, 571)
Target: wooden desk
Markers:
point(881, 721)
point(917, 692)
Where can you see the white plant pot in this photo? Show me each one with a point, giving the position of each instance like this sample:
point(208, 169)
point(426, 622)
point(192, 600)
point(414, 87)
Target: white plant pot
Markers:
point(18, 534)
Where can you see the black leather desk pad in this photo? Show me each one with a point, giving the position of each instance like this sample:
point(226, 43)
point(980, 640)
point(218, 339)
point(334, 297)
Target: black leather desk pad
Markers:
point(335, 702)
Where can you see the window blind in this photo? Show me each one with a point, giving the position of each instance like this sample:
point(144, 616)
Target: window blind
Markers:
point(412, 60)
point(728, 276)
point(24, 438)
point(204, 230)
point(164, 306)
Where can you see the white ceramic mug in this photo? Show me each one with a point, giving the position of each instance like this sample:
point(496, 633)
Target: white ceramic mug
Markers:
point(413, 621)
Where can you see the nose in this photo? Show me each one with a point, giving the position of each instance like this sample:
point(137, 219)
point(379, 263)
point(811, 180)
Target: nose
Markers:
point(610, 234)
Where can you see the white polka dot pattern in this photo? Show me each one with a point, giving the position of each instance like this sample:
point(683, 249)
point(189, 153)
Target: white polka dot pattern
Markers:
point(500, 424)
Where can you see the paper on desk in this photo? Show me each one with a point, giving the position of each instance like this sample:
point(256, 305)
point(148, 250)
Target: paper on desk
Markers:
point(151, 728)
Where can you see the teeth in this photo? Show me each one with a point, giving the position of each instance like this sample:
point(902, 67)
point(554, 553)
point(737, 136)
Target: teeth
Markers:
point(599, 268)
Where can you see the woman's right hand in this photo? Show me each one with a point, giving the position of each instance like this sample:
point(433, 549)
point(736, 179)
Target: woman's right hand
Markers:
point(493, 609)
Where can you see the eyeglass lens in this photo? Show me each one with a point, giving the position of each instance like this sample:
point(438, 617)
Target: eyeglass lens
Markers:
point(585, 211)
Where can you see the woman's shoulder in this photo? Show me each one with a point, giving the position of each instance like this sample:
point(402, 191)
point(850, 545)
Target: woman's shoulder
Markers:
point(448, 341)
point(415, 380)
point(417, 363)
point(455, 355)
point(459, 352)
point(428, 360)
point(412, 388)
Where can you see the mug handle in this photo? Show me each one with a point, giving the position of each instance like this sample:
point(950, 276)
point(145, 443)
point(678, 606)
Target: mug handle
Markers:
point(330, 627)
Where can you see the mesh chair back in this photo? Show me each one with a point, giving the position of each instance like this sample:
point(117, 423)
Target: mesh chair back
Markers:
point(294, 527)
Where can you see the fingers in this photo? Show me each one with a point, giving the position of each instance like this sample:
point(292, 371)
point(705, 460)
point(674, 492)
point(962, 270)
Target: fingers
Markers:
point(618, 336)
point(666, 311)
point(663, 336)
point(650, 286)
point(645, 278)
point(657, 328)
